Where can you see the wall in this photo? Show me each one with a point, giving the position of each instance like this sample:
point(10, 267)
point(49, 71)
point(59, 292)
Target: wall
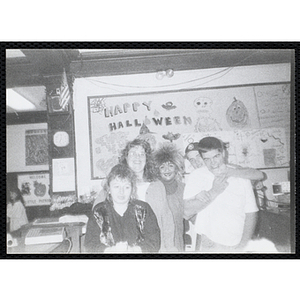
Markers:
point(143, 83)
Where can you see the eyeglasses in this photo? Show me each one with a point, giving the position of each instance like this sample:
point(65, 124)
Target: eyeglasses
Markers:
point(136, 155)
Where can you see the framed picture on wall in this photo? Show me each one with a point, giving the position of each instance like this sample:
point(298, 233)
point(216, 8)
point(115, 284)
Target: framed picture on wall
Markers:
point(35, 188)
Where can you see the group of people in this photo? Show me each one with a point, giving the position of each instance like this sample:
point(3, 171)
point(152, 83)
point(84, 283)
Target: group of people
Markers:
point(144, 202)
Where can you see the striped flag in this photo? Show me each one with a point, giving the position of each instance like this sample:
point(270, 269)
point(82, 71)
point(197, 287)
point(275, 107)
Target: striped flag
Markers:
point(64, 91)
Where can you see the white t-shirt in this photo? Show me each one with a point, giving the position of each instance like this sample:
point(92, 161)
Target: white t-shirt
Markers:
point(141, 189)
point(223, 220)
point(17, 215)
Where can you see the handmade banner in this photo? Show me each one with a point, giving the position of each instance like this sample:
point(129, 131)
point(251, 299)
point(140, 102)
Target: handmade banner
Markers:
point(166, 117)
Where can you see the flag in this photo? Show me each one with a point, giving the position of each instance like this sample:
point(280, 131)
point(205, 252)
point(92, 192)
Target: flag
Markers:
point(64, 91)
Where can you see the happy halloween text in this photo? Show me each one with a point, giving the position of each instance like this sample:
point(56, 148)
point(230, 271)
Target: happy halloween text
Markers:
point(113, 111)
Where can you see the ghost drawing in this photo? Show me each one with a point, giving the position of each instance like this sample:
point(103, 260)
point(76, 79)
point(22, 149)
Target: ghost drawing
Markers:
point(237, 114)
point(205, 121)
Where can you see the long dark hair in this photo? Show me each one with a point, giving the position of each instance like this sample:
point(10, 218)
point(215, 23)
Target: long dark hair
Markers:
point(150, 171)
point(19, 197)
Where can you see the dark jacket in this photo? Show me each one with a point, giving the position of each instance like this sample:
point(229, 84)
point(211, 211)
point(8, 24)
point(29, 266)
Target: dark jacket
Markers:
point(138, 227)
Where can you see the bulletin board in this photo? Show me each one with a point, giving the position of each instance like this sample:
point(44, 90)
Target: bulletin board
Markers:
point(237, 113)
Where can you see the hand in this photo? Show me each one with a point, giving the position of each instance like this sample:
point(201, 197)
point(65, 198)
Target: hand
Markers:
point(219, 184)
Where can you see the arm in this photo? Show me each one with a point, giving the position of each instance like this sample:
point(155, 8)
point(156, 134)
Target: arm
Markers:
point(204, 198)
point(194, 205)
point(157, 199)
point(246, 173)
point(92, 237)
point(151, 241)
point(249, 228)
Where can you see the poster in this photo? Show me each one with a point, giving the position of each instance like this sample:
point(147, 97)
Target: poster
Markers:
point(63, 172)
point(273, 102)
point(162, 117)
point(265, 148)
point(36, 147)
point(169, 116)
point(34, 188)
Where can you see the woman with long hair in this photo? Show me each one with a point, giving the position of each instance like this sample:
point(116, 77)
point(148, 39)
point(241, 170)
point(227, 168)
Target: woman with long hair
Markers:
point(16, 212)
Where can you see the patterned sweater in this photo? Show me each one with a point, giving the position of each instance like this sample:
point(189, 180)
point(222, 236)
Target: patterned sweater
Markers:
point(138, 227)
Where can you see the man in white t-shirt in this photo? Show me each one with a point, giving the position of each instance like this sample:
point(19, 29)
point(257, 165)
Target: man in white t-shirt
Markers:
point(226, 217)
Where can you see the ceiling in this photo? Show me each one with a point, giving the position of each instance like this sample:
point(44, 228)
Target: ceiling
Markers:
point(28, 71)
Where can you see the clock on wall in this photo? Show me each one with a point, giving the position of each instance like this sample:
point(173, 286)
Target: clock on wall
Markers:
point(61, 139)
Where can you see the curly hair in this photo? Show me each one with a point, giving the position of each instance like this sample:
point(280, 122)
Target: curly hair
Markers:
point(150, 171)
point(123, 172)
point(169, 153)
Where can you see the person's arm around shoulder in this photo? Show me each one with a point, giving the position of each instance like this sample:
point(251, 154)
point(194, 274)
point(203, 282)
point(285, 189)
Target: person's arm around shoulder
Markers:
point(201, 200)
point(246, 173)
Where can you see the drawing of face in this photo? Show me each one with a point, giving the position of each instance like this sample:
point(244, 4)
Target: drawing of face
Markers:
point(167, 171)
point(237, 114)
point(203, 104)
point(120, 190)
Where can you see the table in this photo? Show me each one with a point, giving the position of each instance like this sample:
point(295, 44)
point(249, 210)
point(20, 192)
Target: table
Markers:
point(74, 232)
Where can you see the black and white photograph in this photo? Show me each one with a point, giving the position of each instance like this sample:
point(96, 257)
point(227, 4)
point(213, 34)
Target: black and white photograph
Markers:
point(139, 151)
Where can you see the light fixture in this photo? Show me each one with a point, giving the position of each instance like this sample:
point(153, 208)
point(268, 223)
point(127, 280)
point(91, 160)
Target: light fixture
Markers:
point(170, 73)
point(13, 53)
point(18, 102)
point(161, 74)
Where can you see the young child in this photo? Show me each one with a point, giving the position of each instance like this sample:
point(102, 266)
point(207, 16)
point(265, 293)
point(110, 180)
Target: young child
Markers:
point(121, 223)
point(16, 212)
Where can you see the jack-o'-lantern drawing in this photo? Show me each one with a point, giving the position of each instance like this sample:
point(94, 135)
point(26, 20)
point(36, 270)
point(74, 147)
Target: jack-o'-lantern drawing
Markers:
point(39, 189)
point(237, 114)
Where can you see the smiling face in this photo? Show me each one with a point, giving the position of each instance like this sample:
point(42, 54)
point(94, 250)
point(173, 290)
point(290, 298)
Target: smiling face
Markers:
point(120, 190)
point(136, 160)
point(214, 160)
point(167, 171)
